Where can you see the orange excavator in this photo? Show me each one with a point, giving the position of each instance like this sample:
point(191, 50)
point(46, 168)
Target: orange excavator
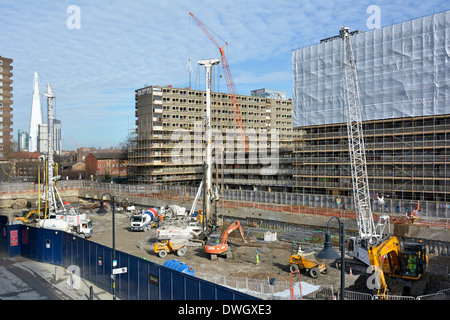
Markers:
point(218, 244)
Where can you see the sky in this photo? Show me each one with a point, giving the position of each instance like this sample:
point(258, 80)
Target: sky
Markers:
point(95, 54)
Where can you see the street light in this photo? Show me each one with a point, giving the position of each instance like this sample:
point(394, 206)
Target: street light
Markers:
point(102, 210)
point(328, 253)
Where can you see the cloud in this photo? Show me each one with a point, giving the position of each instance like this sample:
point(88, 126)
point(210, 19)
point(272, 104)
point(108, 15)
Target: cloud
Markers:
point(123, 45)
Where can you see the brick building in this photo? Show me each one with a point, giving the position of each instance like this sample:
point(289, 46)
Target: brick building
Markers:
point(106, 164)
point(25, 164)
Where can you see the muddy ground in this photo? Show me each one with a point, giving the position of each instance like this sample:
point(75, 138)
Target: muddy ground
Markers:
point(274, 257)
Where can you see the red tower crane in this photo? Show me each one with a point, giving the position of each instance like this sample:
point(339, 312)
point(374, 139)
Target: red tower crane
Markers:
point(230, 83)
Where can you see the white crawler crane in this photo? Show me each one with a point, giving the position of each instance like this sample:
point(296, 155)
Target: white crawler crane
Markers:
point(369, 234)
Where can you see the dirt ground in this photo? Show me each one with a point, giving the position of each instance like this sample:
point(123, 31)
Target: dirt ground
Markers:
point(274, 258)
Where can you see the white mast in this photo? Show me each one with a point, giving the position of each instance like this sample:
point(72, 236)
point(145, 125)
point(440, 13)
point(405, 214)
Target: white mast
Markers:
point(208, 65)
point(52, 193)
point(361, 195)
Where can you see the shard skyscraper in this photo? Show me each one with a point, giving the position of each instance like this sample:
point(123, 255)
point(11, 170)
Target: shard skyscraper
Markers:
point(36, 115)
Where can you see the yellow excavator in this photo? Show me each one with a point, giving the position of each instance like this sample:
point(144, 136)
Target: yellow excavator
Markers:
point(31, 213)
point(406, 260)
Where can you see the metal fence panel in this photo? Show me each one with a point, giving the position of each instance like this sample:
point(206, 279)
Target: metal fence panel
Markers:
point(143, 279)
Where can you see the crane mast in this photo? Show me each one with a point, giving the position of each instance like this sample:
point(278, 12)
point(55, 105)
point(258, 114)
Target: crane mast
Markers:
point(230, 84)
point(53, 196)
point(360, 181)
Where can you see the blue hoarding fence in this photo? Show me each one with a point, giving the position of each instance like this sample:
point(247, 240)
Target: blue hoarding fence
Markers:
point(142, 279)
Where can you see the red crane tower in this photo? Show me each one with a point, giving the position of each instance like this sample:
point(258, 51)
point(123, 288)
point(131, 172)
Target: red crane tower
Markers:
point(230, 83)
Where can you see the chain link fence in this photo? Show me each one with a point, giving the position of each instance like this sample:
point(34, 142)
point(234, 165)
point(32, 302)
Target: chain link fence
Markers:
point(280, 290)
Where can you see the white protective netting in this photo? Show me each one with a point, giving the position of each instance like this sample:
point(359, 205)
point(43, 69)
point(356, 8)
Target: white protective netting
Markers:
point(403, 70)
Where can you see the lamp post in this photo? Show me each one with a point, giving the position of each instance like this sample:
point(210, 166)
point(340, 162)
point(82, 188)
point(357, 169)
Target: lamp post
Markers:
point(328, 253)
point(103, 210)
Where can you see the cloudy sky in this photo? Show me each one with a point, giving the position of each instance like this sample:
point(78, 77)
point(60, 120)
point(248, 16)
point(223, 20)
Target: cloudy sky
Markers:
point(96, 56)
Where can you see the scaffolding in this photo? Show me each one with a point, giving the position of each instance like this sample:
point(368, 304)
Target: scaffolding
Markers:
point(405, 93)
point(169, 123)
point(407, 158)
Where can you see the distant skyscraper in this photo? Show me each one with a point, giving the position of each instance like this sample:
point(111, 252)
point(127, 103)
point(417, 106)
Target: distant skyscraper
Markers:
point(43, 137)
point(36, 115)
point(24, 140)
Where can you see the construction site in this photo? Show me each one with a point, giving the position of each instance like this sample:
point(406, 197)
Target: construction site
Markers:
point(275, 240)
point(340, 193)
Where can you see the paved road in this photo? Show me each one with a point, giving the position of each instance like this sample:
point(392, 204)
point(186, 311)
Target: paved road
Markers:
point(23, 279)
point(17, 282)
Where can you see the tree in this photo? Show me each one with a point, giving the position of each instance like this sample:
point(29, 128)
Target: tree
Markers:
point(7, 161)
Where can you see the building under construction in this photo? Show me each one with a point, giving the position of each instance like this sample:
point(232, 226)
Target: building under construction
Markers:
point(404, 85)
point(169, 139)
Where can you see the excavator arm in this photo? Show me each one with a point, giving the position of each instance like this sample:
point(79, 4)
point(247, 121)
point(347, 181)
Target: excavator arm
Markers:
point(230, 229)
point(384, 257)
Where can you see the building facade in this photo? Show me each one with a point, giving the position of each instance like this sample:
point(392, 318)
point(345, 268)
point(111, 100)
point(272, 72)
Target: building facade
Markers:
point(23, 139)
point(169, 141)
point(42, 141)
point(6, 105)
point(269, 93)
point(106, 165)
point(25, 165)
point(405, 93)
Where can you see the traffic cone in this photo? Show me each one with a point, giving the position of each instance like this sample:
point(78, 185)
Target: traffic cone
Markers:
point(351, 273)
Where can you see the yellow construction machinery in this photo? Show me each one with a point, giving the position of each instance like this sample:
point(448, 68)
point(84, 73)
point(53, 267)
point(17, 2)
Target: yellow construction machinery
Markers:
point(406, 260)
point(163, 247)
point(30, 214)
point(306, 260)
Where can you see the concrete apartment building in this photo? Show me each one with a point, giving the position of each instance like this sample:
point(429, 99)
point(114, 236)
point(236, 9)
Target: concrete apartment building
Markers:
point(404, 80)
point(167, 115)
point(6, 105)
